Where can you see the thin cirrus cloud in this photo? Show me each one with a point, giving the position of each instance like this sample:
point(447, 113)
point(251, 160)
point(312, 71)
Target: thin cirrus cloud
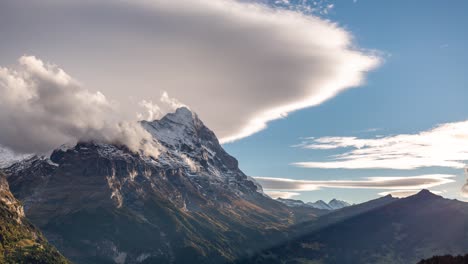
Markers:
point(281, 194)
point(407, 183)
point(237, 64)
point(444, 146)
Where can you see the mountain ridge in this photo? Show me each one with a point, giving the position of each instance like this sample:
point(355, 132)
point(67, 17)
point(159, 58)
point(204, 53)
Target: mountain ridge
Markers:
point(403, 230)
point(334, 204)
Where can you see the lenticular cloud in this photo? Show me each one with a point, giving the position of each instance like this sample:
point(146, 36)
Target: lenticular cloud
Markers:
point(238, 64)
point(42, 107)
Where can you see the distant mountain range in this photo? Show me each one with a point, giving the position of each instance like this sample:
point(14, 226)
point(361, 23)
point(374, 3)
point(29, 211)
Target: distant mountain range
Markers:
point(386, 230)
point(334, 204)
point(102, 203)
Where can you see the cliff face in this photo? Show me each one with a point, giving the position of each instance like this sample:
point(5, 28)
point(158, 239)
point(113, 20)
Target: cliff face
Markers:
point(8, 201)
point(21, 242)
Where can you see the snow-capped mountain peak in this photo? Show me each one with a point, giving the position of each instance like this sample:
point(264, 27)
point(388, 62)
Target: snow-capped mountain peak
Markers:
point(183, 116)
point(337, 204)
point(292, 202)
point(181, 128)
point(184, 137)
point(334, 204)
point(320, 204)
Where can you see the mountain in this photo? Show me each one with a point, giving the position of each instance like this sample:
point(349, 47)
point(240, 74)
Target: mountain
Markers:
point(102, 203)
point(320, 204)
point(20, 241)
point(334, 204)
point(292, 202)
point(302, 210)
point(398, 231)
point(337, 216)
point(337, 204)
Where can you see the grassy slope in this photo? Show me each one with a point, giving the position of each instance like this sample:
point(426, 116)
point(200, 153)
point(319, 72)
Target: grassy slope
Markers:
point(20, 241)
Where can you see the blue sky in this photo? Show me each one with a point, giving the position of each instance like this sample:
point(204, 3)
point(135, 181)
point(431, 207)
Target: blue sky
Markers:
point(422, 83)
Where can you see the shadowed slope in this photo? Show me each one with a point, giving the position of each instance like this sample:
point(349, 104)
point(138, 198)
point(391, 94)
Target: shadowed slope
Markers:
point(402, 231)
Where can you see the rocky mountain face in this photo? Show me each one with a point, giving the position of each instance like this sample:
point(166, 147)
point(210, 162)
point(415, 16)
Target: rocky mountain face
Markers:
point(320, 204)
point(20, 241)
point(292, 202)
point(386, 230)
point(334, 204)
point(101, 203)
point(337, 204)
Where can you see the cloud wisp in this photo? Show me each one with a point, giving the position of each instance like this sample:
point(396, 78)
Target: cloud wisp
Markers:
point(444, 146)
point(281, 194)
point(238, 64)
point(42, 107)
point(407, 183)
point(154, 111)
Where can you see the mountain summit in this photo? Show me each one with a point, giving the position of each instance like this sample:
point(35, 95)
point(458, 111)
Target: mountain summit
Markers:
point(337, 204)
point(185, 135)
point(425, 194)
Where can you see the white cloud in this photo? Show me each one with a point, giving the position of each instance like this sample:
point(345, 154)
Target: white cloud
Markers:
point(279, 194)
point(190, 163)
point(153, 111)
point(171, 102)
point(389, 183)
point(404, 193)
point(156, 111)
point(444, 145)
point(238, 65)
point(42, 107)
